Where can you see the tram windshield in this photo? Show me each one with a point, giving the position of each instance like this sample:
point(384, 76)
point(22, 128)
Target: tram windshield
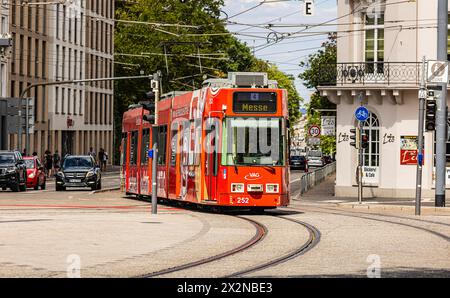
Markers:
point(253, 142)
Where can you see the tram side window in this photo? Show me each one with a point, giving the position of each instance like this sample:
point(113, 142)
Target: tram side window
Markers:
point(124, 148)
point(191, 143)
point(198, 141)
point(134, 148)
point(173, 148)
point(212, 136)
point(145, 146)
point(162, 144)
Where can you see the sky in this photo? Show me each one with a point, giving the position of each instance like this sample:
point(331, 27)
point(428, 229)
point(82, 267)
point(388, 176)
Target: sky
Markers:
point(287, 17)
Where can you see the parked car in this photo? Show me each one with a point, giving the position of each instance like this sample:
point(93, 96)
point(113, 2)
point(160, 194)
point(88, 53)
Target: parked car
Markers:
point(315, 158)
point(35, 173)
point(79, 171)
point(299, 162)
point(13, 172)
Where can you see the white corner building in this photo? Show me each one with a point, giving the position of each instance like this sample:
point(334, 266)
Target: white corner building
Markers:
point(379, 54)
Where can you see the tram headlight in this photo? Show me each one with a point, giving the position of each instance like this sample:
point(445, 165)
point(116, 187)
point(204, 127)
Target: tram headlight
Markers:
point(237, 187)
point(272, 188)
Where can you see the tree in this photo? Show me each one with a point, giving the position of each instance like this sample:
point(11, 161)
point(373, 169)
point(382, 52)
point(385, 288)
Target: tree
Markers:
point(311, 78)
point(148, 43)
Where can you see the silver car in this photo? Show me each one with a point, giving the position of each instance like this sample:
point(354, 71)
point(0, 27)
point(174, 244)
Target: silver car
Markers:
point(315, 158)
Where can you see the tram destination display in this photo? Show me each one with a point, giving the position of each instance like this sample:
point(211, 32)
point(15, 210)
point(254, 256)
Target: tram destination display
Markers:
point(255, 102)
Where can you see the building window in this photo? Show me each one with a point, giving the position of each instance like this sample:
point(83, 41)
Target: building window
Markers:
point(13, 54)
point(57, 21)
point(21, 50)
point(29, 57)
point(63, 98)
point(371, 154)
point(374, 42)
point(44, 59)
point(36, 58)
point(56, 100)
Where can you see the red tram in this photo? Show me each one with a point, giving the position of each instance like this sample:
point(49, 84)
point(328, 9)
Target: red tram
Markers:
point(223, 145)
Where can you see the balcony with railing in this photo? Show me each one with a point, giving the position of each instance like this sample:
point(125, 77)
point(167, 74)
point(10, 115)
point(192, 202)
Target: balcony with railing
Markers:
point(376, 74)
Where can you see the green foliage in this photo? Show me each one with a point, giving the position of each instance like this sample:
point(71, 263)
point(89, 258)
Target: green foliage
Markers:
point(210, 37)
point(311, 79)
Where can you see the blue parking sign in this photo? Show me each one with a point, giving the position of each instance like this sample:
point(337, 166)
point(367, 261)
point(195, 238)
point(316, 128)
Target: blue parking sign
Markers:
point(362, 113)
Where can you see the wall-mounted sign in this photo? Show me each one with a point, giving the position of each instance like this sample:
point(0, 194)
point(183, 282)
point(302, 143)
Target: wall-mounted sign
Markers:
point(328, 125)
point(408, 150)
point(371, 175)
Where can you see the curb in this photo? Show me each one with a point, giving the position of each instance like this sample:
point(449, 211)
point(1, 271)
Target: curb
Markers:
point(404, 209)
point(104, 190)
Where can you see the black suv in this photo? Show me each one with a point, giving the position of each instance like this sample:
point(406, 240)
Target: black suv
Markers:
point(79, 171)
point(13, 171)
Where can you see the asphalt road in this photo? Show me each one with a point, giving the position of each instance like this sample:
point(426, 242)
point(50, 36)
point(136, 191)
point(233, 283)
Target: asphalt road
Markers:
point(78, 233)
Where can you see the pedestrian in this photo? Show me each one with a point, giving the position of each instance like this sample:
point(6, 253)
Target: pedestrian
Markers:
point(35, 154)
point(101, 155)
point(48, 162)
point(105, 160)
point(24, 153)
point(92, 152)
point(56, 161)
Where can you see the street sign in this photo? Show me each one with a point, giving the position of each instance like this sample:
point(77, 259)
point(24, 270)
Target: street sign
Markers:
point(362, 114)
point(328, 125)
point(437, 72)
point(314, 131)
point(313, 141)
point(308, 8)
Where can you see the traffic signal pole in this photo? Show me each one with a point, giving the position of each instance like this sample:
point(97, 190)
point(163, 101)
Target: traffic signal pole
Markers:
point(441, 115)
point(422, 98)
point(155, 84)
point(360, 163)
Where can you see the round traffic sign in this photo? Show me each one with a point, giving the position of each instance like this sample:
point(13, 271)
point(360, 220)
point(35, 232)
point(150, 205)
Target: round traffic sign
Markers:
point(362, 113)
point(314, 131)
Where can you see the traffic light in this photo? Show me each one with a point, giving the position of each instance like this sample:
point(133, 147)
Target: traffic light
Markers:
point(150, 96)
point(150, 117)
point(365, 141)
point(430, 115)
point(355, 137)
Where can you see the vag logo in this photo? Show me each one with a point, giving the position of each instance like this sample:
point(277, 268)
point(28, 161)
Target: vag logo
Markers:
point(252, 176)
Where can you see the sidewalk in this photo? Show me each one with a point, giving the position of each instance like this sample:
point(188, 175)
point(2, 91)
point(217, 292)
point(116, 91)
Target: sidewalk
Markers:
point(324, 194)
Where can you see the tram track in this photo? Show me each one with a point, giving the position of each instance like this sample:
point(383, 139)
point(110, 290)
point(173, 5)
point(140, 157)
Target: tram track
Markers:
point(353, 215)
point(261, 232)
point(313, 240)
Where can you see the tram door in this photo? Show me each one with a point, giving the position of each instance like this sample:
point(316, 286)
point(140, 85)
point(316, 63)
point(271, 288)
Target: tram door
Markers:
point(178, 169)
point(212, 144)
point(184, 162)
